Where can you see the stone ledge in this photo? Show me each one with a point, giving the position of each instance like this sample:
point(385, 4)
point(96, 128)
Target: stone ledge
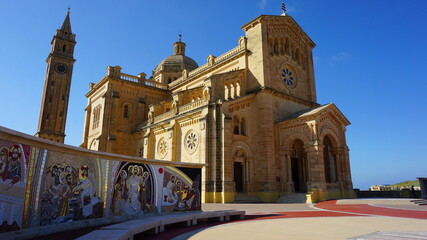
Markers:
point(126, 230)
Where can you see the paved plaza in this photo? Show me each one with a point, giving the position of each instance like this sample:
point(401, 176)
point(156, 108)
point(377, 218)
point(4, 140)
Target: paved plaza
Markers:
point(341, 219)
point(382, 219)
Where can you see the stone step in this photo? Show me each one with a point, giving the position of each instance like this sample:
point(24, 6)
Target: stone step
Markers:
point(245, 198)
point(293, 198)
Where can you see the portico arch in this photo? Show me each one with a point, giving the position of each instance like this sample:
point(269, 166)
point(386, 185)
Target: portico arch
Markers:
point(294, 163)
point(299, 166)
point(329, 160)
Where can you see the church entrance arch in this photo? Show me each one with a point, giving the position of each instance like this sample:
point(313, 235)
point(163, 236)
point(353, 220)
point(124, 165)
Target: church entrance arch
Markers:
point(240, 169)
point(238, 176)
point(330, 162)
point(299, 168)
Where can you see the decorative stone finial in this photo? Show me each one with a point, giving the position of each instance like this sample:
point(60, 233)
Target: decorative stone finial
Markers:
point(283, 9)
point(68, 11)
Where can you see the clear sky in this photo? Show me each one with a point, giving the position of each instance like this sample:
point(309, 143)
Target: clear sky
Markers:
point(369, 61)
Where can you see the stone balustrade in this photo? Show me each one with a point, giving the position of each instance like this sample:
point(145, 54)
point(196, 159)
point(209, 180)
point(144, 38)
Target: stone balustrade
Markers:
point(155, 84)
point(135, 79)
point(218, 60)
point(129, 77)
point(164, 116)
point(191, 106)
point(228, 54)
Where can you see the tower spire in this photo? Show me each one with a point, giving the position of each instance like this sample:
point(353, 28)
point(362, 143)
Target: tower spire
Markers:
point(56, 92)
point(66, 25)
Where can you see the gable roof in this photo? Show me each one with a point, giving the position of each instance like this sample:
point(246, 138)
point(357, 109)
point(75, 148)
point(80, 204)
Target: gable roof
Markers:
point(314, 111)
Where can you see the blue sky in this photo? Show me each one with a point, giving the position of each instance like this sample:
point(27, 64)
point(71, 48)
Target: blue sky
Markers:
point(369, 60)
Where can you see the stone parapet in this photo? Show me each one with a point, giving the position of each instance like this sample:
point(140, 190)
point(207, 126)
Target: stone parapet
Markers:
point(43, 182)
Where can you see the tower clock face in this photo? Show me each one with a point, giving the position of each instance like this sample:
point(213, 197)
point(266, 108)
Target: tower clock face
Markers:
point(288, 77)
point(61, 68)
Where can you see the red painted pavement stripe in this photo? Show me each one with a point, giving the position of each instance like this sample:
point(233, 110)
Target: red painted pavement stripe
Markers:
point(372, 210)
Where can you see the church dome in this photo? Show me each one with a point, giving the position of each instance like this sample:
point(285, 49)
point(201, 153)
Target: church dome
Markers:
point(176, 62)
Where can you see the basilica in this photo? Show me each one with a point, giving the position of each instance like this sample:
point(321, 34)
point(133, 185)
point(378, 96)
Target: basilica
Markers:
point(250, 115)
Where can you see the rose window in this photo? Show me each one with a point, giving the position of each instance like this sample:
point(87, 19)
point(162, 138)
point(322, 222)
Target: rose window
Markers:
point(288, 77)
point(162, 148)
point(191, 141)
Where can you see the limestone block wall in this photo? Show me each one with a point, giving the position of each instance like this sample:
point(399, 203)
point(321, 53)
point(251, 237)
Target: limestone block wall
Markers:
point(300, 75)
point(43, 183)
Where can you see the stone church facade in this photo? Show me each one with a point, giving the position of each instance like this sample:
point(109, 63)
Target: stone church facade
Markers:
point(251, 115)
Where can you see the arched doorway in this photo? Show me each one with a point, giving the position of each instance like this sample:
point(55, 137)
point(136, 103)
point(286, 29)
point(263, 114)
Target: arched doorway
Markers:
point(238, 176)
point(299, 167)
point(240, 169)
point(330, 163)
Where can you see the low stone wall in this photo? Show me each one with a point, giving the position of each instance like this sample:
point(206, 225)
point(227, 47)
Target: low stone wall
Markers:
point(43, 183)
point(406, 193)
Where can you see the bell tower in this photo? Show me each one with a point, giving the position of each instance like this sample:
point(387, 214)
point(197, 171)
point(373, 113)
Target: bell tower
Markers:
point(54, 105)
point(281, 56)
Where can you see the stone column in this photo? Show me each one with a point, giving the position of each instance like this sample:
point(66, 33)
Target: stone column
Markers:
point(346, 159)
point(316, 166)
point(340, 168)
point(290, 187)
point(172, 142)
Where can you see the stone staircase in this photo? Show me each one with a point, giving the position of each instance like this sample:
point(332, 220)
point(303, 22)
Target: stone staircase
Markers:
point(293, 198)
point(245, 198)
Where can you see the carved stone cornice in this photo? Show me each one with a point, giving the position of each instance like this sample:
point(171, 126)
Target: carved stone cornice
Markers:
point(241, 103)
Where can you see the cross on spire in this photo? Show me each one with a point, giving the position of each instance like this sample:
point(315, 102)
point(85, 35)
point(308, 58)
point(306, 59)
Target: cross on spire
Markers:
point(283, 7)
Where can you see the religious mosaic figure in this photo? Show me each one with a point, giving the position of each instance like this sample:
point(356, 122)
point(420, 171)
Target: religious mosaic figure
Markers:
point(4, 153)
point(133, 204)
point(133, 192)
point(181, 193)
point(169, 191)
point(13, 163)
point(85, 193)
point(56, 197)
point(69, 195)
point(120, 193)
point(144, 186)
point(13, 168)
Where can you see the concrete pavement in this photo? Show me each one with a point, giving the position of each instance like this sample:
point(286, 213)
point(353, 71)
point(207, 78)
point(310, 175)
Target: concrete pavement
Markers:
point(390, 219)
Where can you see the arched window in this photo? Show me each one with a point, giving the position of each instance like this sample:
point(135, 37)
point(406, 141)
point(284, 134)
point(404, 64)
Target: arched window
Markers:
point(243, 126)
point(126, 111)
point(96, 116)
point(64, 47)
point(236, 125)
point(329, 161)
